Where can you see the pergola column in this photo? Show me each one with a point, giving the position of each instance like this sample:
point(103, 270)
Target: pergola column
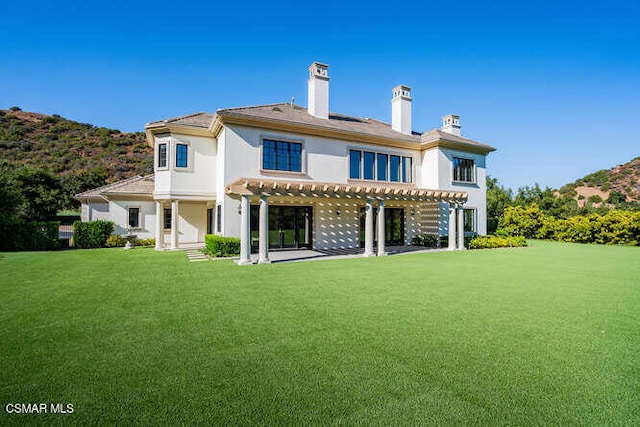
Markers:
point(452, 227)
point(368, 228)
point(460, 228)
point(381, 231)
point(159, 231)
point(174, 223)
point(263, 231)
point(245, 230)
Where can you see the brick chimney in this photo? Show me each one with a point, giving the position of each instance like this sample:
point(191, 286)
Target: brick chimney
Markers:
point(401, 109)
point(319, 90)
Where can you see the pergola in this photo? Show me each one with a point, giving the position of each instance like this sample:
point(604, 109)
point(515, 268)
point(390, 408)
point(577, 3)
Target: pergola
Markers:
point(247, 188)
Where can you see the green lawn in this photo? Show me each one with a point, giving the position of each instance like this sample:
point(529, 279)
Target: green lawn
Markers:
point(548, 334)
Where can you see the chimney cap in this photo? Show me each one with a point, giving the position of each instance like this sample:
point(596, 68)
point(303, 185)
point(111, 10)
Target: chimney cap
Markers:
point(403, 91)
point(319, 69)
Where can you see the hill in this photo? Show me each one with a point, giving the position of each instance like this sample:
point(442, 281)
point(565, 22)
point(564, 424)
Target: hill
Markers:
point(619, 184)
point(67, 148)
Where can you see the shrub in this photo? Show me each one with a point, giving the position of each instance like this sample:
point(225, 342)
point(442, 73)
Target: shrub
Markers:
point(92, 234)
point(20, 235)
point(489, 242)
point(117, 241)
point(428, 240)
point(219, 246)
point(522, 221)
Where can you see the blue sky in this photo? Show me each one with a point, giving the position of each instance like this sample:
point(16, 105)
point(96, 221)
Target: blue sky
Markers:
point(554, 86)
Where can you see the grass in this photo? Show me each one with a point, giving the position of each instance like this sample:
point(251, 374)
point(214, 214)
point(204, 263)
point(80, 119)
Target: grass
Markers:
point(548, 334)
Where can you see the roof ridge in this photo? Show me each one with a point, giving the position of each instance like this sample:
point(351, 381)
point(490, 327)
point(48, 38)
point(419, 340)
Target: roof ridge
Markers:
point(257, 106)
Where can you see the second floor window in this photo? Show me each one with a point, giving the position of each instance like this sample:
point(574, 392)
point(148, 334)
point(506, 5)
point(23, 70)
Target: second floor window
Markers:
point(181, 155)
point(379, 166)
point(463, 170)
point(282, 156)
point(162, 155)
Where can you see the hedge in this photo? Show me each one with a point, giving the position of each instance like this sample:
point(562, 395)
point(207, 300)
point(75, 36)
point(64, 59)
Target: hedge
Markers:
point(489, 242)
point(116, 240)
point(19, 235)
point(92, 234)
point(219, 246)
point(614, 227)
point(428, 240)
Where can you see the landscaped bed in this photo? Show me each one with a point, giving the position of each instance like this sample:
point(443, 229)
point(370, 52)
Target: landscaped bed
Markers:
point(549, 334)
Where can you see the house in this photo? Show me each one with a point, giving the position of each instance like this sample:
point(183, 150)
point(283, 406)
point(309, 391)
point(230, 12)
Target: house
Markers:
point(284, 176)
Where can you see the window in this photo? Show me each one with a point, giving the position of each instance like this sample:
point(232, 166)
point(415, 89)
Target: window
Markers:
point(134, 217)
point(167, 218)
point(219, 219)
point(381, 159)
point(463, 170)
point(354, 164)
point(406, 169)
point(181, 155)
point(369, 165)
point(282, 155)
point(469, 216)
point(379, 166)
point(394, 168)
point(162, 155)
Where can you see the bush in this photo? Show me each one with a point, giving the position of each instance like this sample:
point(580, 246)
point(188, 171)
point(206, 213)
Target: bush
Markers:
point(219, 246)
point(522, 221)
point(489, 242)
point(92, 234)
point(428, 240)
point(117, 241)
point(20, 235)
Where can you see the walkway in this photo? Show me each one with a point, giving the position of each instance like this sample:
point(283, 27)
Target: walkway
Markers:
point(326, 254)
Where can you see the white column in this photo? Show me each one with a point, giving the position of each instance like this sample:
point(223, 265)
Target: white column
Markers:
point(159, 225)
point(460, 228)
point(452, 227)
point(381, 232)
point(263, 248)
point(174, 224)
point(368, 228)
point(245, 231)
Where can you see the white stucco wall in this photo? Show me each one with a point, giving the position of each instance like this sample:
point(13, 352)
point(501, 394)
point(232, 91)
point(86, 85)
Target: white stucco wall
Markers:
point(333, 231)
point(93, 211)
point(198, 178)
point(119, 210)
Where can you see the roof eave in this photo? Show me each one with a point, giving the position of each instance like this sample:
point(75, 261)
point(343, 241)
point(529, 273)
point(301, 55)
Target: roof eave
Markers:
point(458, 145)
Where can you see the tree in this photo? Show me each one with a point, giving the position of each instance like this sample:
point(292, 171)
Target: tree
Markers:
point(40, 193)
point(498, 199)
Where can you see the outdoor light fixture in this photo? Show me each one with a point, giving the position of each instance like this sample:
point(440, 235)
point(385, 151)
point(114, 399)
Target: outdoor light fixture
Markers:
point(239, 209)
point(413, 211)
point(338, 211)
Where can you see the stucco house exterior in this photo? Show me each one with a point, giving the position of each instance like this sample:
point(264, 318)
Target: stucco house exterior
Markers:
point(284, 176)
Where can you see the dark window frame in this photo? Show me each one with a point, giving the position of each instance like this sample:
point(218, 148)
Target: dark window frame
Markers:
point(282, 156)
point(162, 155)
point(469, 220)
point(166, 216)
point(137, 216)
point(182, 158)
point(369, 166)
point(464, 170)
point(218, 218)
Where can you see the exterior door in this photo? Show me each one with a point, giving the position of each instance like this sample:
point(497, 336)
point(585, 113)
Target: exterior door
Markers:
point(289, 227)
point(393, 226)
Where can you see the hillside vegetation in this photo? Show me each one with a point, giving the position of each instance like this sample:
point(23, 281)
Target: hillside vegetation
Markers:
point(607, 186)
point(66, 147)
